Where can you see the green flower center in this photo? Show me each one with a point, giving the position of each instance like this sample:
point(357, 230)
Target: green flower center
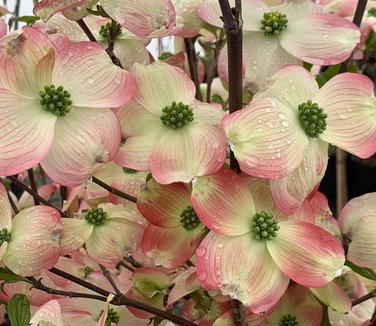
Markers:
point(165, 55)
point(176, 115)
point(4, 236)
point(129, 171)
point(55, 100)
point(87, 270)
point(95, 216)
point(106, 29)
point(264, 226)
point(288, 320)
point(189, 219)
point(372, 12)
point(112, 317)
point(312, 118)
point(273, 23)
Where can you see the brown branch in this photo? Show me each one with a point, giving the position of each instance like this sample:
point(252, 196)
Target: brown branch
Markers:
point(368, 296)
point(193, 64)
point(133, 262)
point(11, 201)
point(108, 276)
point(92, 38)
point(233, 27)
point(24, 187)
point(122, 300)
point(111, 45)
point(33, 184)
point(114, 191)
point(125, 265)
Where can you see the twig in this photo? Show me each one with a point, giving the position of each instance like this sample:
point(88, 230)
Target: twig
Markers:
point(365, 297)
point(111, 44)
point(108, 276)
point(114, 191)
point(193, 65)
point(233, 26)
point(22, 186)
point(92, 38)
point(17, 13)
point(133, 262)
point(125, 265)
point(122, 300)
point(341, 180)
point(63, 194)
point(33, 184)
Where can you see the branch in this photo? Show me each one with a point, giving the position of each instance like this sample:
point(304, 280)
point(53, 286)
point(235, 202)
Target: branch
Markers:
point(11, 201)
point(17, 13)
point(193, 65)
point(108, 276)
point(365, 297)
point(122, 300)
point(114, 191)
point(92, 38)
point(35, 195)
point(33, 184)
point(233, 27)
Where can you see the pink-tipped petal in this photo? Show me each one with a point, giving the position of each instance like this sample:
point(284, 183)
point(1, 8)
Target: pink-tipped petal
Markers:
point(142, 17)
point(162, 205)
point(83, 138)
point(45, 9)
point(87, 72)
point(26, 132)
point(306, 253)
point(75, 233)
point(195, 150)
point(185, 283)
point(291, 85)
point(349, 102)
point(223, 203)
point(241, 268)
point(159, 84)
point(49, 313)
point(266, 139)
point(109, 242)
point(142, 131)
point(170, 247)
point(208, 113)
point(290, 192)
point(262, 57)
point(130, 51)
point(19, 57)
point(5, 209)
point(34, 244)
point(332, 39)
point(296, 11)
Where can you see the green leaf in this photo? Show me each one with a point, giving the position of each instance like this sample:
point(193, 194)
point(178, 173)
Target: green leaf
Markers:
point(19, 310)
point(29, 20)
point(9, 277)
point(363, 271)
point(328, 74)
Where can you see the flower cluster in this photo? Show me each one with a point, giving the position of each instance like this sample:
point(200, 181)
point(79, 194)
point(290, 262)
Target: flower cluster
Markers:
point(133, 191)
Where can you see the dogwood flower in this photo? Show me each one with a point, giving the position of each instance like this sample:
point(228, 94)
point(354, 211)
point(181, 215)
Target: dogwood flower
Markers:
point(286, 124)
point(166, 130)
point(55, 108)
point(174, 231)
point(29, 241)
point(48, 314)
point(253, 249)
point(108, 232)
point(357, 220)
point(276, 36)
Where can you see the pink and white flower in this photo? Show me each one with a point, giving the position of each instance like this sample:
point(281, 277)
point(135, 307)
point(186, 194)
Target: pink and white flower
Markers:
point(253, 249)
point(166, 130)
point(108, 232)
point(285, 128)
point(55, 107)
point(266, 48)
point(174, 231)
point(29, 241)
